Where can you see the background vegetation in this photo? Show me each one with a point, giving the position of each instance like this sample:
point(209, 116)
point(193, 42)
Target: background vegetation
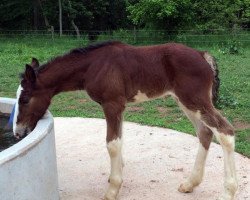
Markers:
point(30, 28)
point(116, 14)
point(234, 102)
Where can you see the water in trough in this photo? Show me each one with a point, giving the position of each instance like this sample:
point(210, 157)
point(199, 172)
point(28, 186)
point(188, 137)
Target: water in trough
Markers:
point(7, 138)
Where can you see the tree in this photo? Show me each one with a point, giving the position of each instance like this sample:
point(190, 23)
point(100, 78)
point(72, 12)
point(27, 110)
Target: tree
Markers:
point(60, 16)
point(195, 14)
point(46, 21)
point(72, 18)
point(161, 14)
point(14, 14)
point(36, 14)
point(221, 14)
point(102, 15)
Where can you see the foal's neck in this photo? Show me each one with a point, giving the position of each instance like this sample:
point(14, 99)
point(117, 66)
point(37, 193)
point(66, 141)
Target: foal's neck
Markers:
point(66, 73)
point(69, 72)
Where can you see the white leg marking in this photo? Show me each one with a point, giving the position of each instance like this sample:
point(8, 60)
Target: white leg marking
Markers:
point(230, 182)
point(197, 173)
point(199, 166)
point(115, 151)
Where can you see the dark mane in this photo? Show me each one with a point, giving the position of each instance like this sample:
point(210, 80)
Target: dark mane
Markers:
point(81, 50)
point(84, 50)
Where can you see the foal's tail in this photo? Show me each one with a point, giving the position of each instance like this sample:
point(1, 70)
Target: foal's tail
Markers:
point(216, 82)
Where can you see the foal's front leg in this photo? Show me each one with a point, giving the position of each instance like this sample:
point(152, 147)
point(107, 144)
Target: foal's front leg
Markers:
point(113, 113)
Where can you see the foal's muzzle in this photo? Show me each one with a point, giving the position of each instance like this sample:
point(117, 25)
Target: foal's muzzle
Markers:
point(20, 136)
point(21, 132)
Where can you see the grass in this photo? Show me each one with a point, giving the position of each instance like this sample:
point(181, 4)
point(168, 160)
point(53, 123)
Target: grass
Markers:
point(234, 102)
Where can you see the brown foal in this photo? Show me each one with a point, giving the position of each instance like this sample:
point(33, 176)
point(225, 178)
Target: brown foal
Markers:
point(113, 74)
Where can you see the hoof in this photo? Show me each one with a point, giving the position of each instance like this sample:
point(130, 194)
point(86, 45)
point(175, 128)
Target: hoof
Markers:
point(109, 197)
point(186, 188)
point(111, 194)
point(226, 197)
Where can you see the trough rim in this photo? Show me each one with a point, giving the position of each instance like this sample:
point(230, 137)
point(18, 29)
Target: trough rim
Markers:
point(21, 148)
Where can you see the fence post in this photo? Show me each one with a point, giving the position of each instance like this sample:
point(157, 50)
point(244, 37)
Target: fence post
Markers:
point(134, 33)
point(52, 32)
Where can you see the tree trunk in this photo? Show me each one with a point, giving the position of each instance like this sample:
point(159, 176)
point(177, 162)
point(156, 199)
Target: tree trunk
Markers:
point(60, 16)
point(35, 10)
point(46, 21)
point(76, 28)
point(73, 22)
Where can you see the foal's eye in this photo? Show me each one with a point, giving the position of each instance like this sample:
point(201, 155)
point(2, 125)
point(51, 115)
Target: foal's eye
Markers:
point(24, 100)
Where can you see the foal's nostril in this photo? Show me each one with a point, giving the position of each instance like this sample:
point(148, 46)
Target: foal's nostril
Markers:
point(17, 136)
point(25, 132)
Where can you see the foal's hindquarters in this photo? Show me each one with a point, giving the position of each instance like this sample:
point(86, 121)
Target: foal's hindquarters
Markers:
point(207, 121)
point(195, 100)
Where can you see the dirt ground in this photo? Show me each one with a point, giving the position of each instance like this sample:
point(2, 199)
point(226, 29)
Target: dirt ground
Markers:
point(157, 160)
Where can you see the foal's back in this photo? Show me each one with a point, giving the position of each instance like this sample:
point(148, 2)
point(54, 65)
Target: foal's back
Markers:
point(153, 71)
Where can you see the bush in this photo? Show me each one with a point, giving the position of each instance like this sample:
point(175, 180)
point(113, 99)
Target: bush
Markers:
point(231, 47)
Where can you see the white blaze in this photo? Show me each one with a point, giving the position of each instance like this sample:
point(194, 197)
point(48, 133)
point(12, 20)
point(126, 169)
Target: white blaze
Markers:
point(18, 93)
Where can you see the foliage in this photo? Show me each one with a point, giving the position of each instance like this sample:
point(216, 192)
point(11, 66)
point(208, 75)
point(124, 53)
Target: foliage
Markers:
point(88, 14)
point(117, 14)
point(160, 13)
point(221, 14)
point(194, 14)
point(15, 13)
point(231, 47)
point(226, 100)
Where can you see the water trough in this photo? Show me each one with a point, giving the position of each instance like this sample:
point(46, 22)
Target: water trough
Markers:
point(28, 169)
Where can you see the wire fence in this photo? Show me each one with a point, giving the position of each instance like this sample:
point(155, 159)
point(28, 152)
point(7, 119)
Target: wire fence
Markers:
point(193, 37)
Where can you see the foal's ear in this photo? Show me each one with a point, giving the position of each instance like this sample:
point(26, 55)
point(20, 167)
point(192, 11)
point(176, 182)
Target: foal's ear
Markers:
point(30, 74)
point(34, 63)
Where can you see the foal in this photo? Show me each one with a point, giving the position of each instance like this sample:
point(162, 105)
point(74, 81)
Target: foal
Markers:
point(113, 74)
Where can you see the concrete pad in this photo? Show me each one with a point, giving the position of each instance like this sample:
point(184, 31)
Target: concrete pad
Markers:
point(157, 160)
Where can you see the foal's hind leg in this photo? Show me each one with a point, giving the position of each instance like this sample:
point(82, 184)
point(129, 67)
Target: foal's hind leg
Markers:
point(224, 133)
point(205, 136)
point(113, 113)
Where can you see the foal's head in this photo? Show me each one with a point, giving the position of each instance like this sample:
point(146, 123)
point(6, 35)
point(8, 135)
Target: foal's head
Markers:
point(32, 102)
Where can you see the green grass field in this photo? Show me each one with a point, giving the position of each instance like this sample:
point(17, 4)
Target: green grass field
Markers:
point(234, 92)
